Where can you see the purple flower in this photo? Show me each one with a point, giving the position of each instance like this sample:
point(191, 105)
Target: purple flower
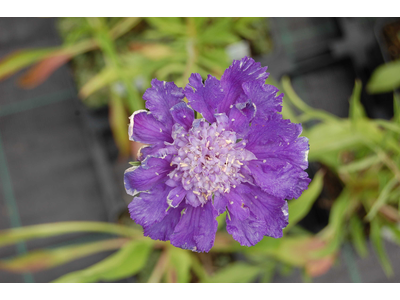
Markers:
point(242, 157)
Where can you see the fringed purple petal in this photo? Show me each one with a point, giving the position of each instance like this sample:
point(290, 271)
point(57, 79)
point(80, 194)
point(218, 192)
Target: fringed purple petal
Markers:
point(183, 115)
point(239, 72)
point(160, 98)
point(146, 129)
point(273, 210)
point(196, 228)
point(157, 150)
point(165, 228)
point(268, 216)
point(282, 156)
point(279, 178)
point(220, 202)
point(151, 207)
point(176, 196)
point(247, 232)
point(278, 138)
point(264, 97)
point(240, 117)
point(236, 205)
point(143, 178)
point(204, 98)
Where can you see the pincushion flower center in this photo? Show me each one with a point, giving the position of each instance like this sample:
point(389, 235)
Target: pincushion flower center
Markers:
point(208, 160)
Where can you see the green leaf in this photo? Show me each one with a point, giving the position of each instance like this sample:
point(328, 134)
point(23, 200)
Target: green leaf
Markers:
point(388, 124)
point(135, 163)
point(396, 108)
point(333, 233)
point(128, 261)
point(383, 196)
point(360, 165)
point(168, 26)
point(377, 242)
point(105, 77)
point(221, 220)
point(180, 264)
point(312, 113)
point(118, 122)
point(38, 260)
point(358, 236)
point(385, 78)
point(298, 208)
point(326, 138)
point(356, 110)
point(123, 26)
point(218, 33)
point(21, 59)
point(235, 273)
point(12, 236)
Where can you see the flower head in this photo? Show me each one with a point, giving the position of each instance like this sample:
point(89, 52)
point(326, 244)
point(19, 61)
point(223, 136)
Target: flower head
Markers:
point(241, 157)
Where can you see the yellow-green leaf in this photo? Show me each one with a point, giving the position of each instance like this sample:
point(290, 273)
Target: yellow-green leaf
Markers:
point(128, 261)
point(180, 262)
point(42, 259)
point(235, 273)
point(12, 236)
point(376, 239)
point(298, 208)
point(385, 78)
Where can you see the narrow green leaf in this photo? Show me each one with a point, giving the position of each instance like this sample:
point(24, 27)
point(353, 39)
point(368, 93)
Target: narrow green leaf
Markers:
point(21, 59)
point(218, 33)
point(301, 105)
point(325, 138)
point(383, 196)
point(396, 108)
point(236, 273)
point(123, 26)
point(393, 126)
point(135, 163)
point(128, 261)
point(118, 122)
point(38, 260)
point(105, 77)
point(356, 110)
point(359, 165)
point(385, 78)
point(333, 233)
point(12, 236)
point(298, 208)
point(377, 242)
point(180, 262)
point(168, 26)
point(358, 236)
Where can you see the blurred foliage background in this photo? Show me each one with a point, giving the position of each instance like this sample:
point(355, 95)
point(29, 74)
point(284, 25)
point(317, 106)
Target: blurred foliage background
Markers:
point(114, 60)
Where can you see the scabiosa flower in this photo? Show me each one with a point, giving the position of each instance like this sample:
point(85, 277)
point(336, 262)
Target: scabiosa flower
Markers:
point(241, 157)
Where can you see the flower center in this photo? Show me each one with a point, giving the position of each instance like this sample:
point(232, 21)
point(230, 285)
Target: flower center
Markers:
point(208, 159)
